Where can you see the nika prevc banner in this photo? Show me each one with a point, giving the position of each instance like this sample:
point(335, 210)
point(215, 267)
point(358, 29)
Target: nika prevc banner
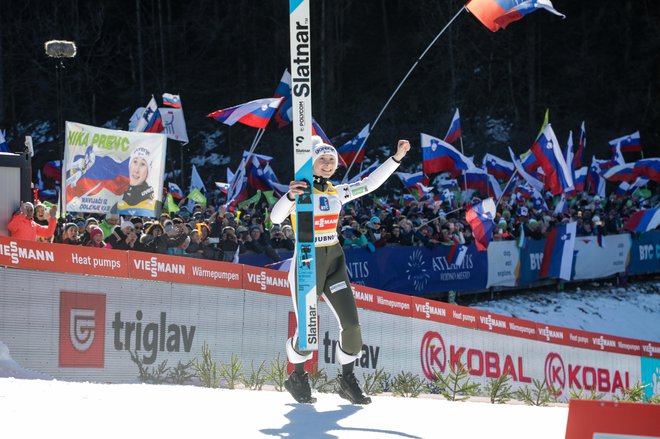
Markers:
point(113, 171)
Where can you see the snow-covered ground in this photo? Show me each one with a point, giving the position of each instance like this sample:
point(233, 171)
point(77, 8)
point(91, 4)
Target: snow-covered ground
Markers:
point(632, 311)
point(38, 408)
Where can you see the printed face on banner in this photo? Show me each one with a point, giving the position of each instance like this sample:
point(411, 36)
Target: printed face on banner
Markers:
point(82, 330)
point(113, 171)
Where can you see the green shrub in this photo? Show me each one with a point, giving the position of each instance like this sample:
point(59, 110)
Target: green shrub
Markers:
point(256, 379)
point(232, 372)
point(456, 385)
point(407, 385)
point(499, 390)
point(207, 370)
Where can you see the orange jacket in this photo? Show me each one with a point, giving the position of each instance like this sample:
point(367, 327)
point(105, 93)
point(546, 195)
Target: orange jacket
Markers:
point(26, 229)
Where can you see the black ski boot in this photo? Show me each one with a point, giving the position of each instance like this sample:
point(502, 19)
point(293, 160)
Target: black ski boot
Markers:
point(298, 386)
point(349, 388)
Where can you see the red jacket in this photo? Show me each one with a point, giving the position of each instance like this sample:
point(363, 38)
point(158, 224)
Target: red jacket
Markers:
point(26, 229)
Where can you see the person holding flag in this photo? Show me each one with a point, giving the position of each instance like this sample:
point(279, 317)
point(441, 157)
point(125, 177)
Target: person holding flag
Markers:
point(331, 275)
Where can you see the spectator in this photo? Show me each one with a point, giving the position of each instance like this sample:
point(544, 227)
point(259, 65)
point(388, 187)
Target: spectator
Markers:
point(122, 237)
point(375, 235)
point(41, 217)
point(395, 236)
point(353, 238)
point(96, 237)
point(70, 234)
point(23, 226)
point(110, 220)
point(279, 241)
point(156, 241)
point(260, 244)
point(230, 245)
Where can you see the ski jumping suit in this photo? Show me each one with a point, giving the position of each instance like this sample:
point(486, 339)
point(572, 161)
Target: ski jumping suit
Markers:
point(331, 276)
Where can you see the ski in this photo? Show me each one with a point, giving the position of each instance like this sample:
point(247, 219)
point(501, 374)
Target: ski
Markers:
point(301, 104)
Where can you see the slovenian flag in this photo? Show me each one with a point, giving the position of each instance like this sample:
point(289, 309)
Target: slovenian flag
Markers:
point(621, 173)
point(283, 116)
point(630, 143)
point(480, 217)
point(353, 151)
point(644, 220)
point(255, 113)
point(481, 181)
point(546, 149)
point(582, 144)
point(454, 131)
point(529, 178)
point(150, 121)
point(648, 168)
point(580, 179)
point(497, 167)
point(175, 190)
point(170, 100)
point(498, 14)
point(558, 252)
point(626, 188)
point(439, 156)
point(222, 187)
point(410, 180)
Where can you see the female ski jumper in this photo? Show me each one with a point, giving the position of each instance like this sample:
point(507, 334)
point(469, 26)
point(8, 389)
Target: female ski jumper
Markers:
point(332, 278)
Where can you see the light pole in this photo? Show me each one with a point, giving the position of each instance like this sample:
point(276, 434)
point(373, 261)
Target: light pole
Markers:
point(60, 50)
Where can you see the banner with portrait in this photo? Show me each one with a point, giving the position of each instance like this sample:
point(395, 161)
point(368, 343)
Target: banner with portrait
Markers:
point(112, 171)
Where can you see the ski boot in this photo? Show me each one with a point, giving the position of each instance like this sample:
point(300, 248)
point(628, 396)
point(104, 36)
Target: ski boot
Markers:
point(349, 389)
point(298, 386)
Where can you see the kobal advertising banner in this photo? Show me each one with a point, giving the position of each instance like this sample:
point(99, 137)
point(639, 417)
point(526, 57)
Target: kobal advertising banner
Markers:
point(417, 270)
point(113, 171)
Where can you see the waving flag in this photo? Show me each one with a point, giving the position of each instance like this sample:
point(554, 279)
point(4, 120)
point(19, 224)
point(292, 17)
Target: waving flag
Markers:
point(621, 173)
point(222, 187)
point(498, 14)
point(530, 179)
point(630, 143)
point(595, 181)
point(175, 191)
point(558, 252)
point(196, 186)
point(353, 151)
point(582, 143)
point(53, 170)
point(255, 113)
point(439, 156)
point(449, 197)
point(546, 150)
point(644, 220)
point(237, 192)
point(497, 167)
point(481, 181)
point(448, 184)
point(510, 185)
point(318, 131)
point(649, 168)
point(454, 131)
point(617, 156)
point(562, 206)
point(3, 142)
point(626, 188)
point(283, 115)
point(151, 121)
point(170, 100)
point(410, 180)
point(580, 179)
point(480, 217)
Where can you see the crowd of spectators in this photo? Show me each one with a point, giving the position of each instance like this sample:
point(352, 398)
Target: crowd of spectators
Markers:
point(220, 234)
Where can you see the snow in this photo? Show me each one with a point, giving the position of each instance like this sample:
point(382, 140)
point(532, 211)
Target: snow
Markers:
point(37, 408)
point(630, 311)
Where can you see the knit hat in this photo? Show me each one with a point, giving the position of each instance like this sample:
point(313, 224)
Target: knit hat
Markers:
point(96, 230)
point(320, 148)
point(125, 224)
point(91, 219)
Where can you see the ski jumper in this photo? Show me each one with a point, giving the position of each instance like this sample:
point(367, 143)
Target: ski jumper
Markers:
point(332, 281)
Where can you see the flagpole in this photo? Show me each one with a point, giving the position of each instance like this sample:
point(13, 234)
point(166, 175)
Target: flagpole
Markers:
point(396, 90)
point(437, 218)
point(463, 171)
point(239, 173)
point(515, 171)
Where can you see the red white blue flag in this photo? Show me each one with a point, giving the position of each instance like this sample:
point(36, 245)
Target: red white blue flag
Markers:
point(480, 217)
point(283, 116)
point(175, 191)
point(546, 149)
point(480, 181)
point(529, 178)
point(170, 100)
point(498, 14)
point(649, 168)
point(580, 179)
point(151, 121)
point(644, 220)
point(626, 188)
point(353, 150)
point(255, 113)
point(621, 173)
point(582, 144)
point(558, 252)
point(498, 168)
point(439, 156)
point(454, 131)
point(630, 143)
point(222, 187)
